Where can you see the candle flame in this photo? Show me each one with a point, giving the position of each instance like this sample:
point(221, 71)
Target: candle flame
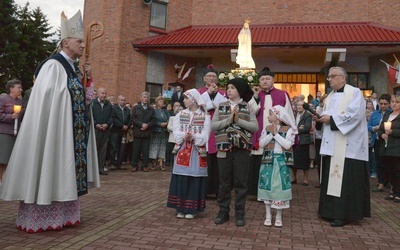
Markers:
point(17, 108)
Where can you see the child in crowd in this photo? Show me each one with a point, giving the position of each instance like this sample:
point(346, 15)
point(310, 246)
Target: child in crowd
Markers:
point(274, 185)
point(191, 128)
point(234, 123)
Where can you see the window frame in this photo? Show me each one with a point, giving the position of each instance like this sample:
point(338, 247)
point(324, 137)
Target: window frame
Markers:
point(154, 5)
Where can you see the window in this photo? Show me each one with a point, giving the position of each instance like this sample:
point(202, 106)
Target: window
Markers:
point(359, 80)
point(155, 89)
point(158, 16)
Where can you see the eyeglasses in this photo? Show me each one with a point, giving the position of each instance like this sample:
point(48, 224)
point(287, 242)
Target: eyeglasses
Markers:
point(211, 76)
point(332, 76)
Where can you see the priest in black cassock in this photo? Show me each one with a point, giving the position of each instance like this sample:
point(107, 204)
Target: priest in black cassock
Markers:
point(344, 195)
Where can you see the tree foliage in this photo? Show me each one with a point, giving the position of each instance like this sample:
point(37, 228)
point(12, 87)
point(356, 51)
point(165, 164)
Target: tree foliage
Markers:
point(25, 41)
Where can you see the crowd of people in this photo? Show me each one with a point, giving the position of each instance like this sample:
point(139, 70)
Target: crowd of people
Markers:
point(249, 140)
point(220, 129)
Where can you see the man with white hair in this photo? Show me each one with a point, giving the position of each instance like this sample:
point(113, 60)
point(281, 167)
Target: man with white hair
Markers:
point(345, 191)
point(59, 157)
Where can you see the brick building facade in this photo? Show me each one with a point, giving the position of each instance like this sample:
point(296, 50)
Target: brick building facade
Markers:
point(121, 68)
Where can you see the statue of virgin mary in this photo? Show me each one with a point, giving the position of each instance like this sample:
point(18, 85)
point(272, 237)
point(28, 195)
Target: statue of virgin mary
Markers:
point(244, 58)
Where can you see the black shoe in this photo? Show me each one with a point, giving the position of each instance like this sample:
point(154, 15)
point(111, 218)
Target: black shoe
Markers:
point(338, 223)
point(221, 218)
point(239, 220)
point(103, 173)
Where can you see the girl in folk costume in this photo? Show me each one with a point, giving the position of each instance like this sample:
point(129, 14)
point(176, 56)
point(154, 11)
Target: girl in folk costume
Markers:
point(191, 128)
point(274, 184)
point(234, 123)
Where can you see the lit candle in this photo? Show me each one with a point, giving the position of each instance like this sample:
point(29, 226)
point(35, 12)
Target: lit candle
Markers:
point(17, 109)
point(388, 125)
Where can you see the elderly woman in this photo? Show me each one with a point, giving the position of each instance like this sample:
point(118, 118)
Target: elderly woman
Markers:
point(7, 121)
point(159, 136)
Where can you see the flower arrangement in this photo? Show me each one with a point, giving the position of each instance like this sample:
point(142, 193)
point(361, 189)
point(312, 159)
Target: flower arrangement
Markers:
point(250, 76)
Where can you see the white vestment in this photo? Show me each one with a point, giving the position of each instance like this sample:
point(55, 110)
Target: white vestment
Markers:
point(42, 165)
point(347, 109)
point(213, 104)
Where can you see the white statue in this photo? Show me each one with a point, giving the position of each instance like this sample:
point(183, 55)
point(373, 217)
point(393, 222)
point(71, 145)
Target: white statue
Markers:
point(244, 58)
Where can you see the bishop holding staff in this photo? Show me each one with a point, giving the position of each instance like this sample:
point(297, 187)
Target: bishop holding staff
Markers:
point(54, 158)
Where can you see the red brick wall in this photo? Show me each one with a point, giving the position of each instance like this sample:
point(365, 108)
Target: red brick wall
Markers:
point(119, 68)
point(116, 65)
point(210, 12)
point(179, 14)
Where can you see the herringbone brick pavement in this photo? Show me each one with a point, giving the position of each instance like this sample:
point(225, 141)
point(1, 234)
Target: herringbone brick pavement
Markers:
point(129, 211)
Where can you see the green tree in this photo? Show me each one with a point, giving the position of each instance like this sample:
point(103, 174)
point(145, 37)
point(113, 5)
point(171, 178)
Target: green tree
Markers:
point(25, 43)
point(34, 42)
point(8, 40)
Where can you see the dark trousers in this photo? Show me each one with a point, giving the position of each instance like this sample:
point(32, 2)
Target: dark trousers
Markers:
point(380, 168)
point(101, 144)
point(233, 171)
point(393, 171)
point(115, 145)
point(317, 160)
point(168, 153)
point(213, 174)
point(254, 172)
point(140, 146)
point(128, 152)
point(371, 164)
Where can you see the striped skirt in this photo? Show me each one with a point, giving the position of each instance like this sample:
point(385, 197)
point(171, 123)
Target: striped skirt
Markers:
point(187, 194)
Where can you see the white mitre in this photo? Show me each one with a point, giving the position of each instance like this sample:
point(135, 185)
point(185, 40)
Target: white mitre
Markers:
point(73, 27)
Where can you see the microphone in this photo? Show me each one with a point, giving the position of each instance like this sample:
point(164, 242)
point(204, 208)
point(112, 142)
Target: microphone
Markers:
point(306, 106)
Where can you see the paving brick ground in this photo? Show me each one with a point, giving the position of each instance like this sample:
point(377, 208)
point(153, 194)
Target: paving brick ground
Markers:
point(129, 212)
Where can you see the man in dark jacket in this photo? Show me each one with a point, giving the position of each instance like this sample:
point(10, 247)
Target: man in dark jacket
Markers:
point(142, 120)
point(102, 116)
point(177, 96)
point(121, 117)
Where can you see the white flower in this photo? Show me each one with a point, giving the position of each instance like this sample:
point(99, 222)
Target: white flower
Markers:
point(231, 76)
point(253, 73)
point(250, 78)
point(221, 76)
